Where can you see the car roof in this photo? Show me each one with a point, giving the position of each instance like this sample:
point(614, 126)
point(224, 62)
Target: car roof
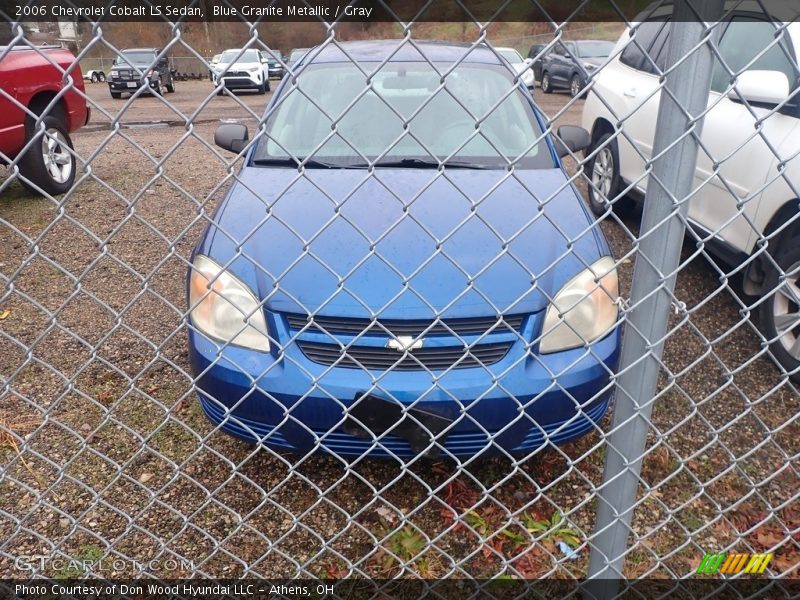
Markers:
point(400, 51)
point(140, 50)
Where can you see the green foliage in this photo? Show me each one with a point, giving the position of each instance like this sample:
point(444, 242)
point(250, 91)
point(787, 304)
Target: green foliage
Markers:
point(552, 529)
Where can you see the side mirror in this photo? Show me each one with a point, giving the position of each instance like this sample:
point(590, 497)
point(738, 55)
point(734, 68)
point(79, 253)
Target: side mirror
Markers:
point(571, 139)
point(768, 87)
point(232, 137)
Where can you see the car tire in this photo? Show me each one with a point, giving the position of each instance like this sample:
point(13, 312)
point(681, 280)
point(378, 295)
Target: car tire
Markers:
point(262, 89)
point(116, 95)
point(102, 76)
point(171, 86)
point(50, 162)
point(95, 78)
point(269, 86)
point(602, 172)
point(575, 87)
point(779, 312)
point(547, 86)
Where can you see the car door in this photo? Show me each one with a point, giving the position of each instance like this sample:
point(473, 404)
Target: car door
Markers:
point(12, 115)
point(631, 88)
point(736, 161)
point(567, 62)
point(555, 63)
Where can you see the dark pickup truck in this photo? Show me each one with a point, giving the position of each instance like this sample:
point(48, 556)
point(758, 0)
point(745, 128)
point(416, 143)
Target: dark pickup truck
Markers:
point(140, 67)
point(44, 101)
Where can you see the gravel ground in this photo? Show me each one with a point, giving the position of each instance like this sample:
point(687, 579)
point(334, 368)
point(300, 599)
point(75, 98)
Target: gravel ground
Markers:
point(106, 453)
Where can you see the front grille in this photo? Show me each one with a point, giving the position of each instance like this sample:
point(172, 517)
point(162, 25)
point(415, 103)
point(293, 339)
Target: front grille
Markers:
point(244, 74)
point(376, 358)
point(398, 327)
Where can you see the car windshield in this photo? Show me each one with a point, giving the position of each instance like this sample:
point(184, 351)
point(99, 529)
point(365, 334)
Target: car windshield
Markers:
point(230, 56)
point(594, 49)
point(511, 56)
point(327, 116)
point(136, 58)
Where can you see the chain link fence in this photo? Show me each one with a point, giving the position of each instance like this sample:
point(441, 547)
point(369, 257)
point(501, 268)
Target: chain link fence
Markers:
point(407, 317)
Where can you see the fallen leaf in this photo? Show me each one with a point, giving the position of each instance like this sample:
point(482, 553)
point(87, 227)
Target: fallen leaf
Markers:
point(4, 314)
point(769, 539)
point(145, 477)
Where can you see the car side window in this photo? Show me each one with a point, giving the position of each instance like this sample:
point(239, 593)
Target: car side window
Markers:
point(640, 43)
point(658, 52)
point(744, 40)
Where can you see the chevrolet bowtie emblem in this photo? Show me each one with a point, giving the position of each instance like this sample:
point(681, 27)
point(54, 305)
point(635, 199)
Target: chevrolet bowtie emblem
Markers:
point(403, 343)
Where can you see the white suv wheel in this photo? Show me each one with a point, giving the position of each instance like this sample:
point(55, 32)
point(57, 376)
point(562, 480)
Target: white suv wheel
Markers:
point(786, 311)
point(603, 172)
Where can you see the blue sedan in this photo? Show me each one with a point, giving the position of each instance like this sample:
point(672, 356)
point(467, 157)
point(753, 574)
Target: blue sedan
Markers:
point(402, 267)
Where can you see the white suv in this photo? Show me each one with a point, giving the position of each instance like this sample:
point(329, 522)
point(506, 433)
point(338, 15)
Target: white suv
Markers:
point(242, 69)
point(747, 179)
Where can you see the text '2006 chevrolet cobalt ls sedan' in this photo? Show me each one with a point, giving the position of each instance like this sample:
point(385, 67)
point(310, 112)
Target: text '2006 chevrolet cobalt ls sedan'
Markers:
point(401, 266)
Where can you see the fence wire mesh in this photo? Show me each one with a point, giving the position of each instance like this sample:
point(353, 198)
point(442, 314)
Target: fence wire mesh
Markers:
point(371, 326)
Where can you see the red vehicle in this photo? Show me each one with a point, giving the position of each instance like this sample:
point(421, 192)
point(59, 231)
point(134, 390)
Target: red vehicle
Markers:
point(41, 103)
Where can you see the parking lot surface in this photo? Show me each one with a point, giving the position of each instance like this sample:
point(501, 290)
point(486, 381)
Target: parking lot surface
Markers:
point(99, 300)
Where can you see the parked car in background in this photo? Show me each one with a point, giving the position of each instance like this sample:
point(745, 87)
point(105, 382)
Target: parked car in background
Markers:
point(274, 67)
point(242, 69)
point(39, 108)
point(296, 55)
point(570, 64)
point(278, 327)
point(536, 54)
point(135, 68)
point(747, 173)
point(519, 64)
point(213, 65)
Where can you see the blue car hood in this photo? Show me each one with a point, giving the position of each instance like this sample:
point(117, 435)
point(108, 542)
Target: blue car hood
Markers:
point(404, 243)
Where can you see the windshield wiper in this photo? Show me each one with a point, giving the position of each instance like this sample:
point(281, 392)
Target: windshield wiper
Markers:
point(310, 163)
point(428, 163)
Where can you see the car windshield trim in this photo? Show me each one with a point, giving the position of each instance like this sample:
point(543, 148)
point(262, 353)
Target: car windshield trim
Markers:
point(289, 162)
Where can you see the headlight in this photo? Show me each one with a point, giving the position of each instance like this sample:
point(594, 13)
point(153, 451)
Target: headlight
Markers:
point(584, 310)
point(224, 308)
point(114, 73)
point(589, 67)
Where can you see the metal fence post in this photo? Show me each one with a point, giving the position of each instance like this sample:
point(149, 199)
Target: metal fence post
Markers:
point(683, 98)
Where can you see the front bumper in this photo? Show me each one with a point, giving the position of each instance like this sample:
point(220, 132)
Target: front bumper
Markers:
point(122, 85)
point(237, 82)
point(517, 405)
